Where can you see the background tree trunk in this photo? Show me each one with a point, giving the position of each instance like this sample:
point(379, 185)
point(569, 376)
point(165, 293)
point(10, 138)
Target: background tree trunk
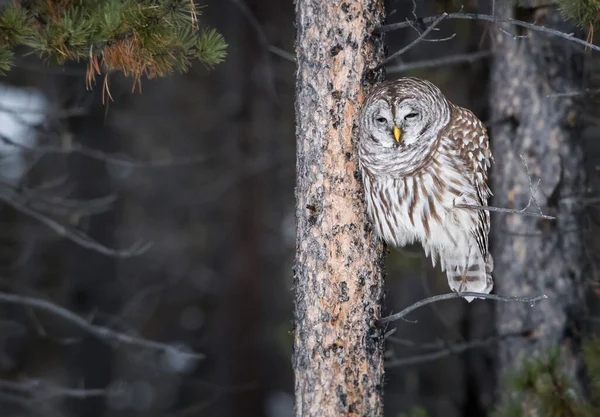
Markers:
point(537, 256)
point(338, 354)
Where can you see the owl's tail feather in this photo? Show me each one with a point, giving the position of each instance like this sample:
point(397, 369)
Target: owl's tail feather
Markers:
point(475, 276)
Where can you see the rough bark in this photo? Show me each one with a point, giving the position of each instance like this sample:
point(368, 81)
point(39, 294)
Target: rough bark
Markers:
point(537, 256)
point(338, 351)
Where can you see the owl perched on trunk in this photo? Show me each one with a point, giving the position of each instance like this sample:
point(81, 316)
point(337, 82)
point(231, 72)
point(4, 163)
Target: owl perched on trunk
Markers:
point(421, 155)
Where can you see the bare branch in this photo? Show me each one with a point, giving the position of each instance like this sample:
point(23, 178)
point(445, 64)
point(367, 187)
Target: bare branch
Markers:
point(532, 190)
point(575, 93)
point(102, 333)
point(452, 295)
point(432, 40)
point(493, 19)
point(16, 201)
point(451, 349)
point(512, 35)
point(413, 43)
point(40, 390)
point(505, 210)
point(439, 62)
point(123, 161)
point(447, 38)
point(389, 333)
point(282, 53)
point(63, 205)
point(44, 202)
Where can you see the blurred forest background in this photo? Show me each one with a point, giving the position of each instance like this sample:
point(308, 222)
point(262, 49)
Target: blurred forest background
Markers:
point(202, 166)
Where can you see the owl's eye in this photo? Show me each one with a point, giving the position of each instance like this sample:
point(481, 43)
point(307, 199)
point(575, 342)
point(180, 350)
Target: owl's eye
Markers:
point(381, 121)
point(411, 115)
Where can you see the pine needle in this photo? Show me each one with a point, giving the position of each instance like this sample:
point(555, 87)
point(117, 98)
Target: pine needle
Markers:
point(140, 38)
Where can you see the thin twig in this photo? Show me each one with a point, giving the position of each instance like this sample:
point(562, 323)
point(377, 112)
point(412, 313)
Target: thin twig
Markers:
point(575, 93)
point(39, 390)
point(122, 161)
point(493, 19)
point(102, 333)
point(432, 40)
point(512, 35)
point(439, 62)
point(452, 295)
point(51, 203)
point(65, 206)
point(389, 333)
point(413, 43)
point(414, 9)
point(14, 200)
point(451, 349)
point(447, 38)
point(413, 26)
point(282, 53)
point(504, 210)
point(532, 190)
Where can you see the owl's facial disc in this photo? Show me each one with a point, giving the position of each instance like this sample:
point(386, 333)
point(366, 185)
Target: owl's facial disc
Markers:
point(410, 117)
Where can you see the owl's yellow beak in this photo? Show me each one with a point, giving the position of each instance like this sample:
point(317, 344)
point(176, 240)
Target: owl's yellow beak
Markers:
point(397, 133)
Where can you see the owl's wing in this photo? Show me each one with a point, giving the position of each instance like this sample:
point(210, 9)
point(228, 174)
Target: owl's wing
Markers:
point(472, 144)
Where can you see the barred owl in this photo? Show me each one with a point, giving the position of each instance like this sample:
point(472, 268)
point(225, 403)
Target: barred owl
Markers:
point(419, 156)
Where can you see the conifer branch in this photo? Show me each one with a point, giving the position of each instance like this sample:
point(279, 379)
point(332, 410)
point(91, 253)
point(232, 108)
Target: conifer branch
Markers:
point(137, 38)
point(584, 13)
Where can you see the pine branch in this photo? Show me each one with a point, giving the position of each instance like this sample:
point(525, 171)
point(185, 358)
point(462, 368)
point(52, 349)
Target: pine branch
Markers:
point(541, 385)
point(582, 12)
point(139, 38)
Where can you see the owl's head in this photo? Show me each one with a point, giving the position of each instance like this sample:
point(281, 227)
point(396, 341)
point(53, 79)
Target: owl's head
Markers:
point(402, 119)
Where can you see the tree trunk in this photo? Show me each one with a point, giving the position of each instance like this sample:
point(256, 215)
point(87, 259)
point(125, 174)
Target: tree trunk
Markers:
point(338, 351)
point(537, 256)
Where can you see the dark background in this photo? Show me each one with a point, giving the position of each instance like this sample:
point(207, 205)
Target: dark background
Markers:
point(217, 204)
